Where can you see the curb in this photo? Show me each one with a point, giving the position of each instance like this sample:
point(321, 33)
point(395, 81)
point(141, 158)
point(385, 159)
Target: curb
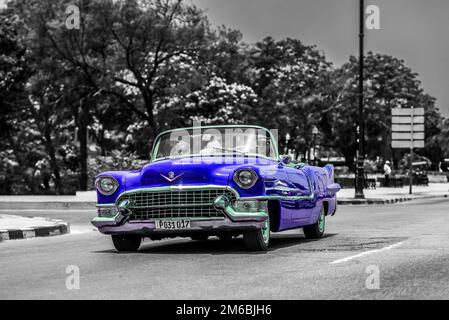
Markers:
point(60, 228)
point(47, 205)
point(387, 201)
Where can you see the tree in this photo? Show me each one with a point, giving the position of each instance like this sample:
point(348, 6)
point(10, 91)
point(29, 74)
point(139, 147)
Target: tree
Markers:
point(13, 74)
point(289, 79)
point(130, 43)
point(221, 103)
point(45, 101)
point(125, 70)
point(388, 84)
point(15, 139)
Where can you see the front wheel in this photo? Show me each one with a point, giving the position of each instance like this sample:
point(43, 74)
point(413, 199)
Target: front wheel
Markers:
point(126, 243)
point(258, 240)
point(316, 231)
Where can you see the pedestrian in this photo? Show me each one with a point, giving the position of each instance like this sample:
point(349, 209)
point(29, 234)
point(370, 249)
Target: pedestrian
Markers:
point(378, 164)
point(387, 173)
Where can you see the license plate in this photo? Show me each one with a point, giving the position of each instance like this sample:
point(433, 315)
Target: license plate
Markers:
point(172, 224)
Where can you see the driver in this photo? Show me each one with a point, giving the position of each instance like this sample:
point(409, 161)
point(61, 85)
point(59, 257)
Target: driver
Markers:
point(263, 146)
point(212, 144)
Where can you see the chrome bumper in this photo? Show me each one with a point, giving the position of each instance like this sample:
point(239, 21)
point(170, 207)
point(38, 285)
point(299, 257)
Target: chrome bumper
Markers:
point(233, 220)
point(196, 226)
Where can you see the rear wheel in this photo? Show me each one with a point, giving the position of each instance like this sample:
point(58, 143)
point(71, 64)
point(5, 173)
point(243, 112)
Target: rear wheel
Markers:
point(258, 240)
point(316, 231)
point(199, 237)
point(126, 243)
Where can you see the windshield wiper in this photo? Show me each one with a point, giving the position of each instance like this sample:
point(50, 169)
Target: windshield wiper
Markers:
point(230, 150)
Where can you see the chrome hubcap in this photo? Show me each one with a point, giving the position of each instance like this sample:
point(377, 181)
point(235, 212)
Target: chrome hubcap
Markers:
point(321, 222)
point(266, 231)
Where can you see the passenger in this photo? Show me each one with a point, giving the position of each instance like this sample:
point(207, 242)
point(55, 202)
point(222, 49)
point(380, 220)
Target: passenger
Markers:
point(181, 148)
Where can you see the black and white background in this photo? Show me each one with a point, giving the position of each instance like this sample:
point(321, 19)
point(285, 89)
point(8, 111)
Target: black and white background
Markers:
point(86, 85)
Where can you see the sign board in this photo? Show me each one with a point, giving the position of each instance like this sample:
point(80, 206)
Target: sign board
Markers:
point(408, 132)
point(408, 136)
point(407, 120)
point(407, 128)
point(397, 144)
point(407, 112)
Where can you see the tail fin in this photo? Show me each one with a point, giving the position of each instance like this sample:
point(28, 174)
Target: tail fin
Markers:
point(330, 172)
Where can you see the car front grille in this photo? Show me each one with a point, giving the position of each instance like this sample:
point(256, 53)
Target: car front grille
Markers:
point(150, 205)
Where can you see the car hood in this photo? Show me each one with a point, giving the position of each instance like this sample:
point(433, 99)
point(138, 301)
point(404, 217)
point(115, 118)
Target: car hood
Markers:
point(190, 171)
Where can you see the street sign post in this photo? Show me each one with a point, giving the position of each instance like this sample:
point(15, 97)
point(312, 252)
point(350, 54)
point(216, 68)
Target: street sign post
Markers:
point(408, 132)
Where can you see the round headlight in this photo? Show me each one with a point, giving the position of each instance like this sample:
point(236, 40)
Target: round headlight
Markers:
point(245, 178)
point(107, 185)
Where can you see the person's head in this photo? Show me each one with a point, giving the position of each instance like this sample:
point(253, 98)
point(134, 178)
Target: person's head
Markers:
point(387, 162)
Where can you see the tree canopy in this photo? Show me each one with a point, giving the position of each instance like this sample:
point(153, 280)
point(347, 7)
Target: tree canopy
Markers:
point(77, 101)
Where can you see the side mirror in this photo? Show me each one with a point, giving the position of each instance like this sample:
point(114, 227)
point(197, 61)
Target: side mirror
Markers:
point(333, 188)
point(286, 159)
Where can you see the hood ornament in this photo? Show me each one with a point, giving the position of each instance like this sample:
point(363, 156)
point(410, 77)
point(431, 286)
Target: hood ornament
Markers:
point(171, 176)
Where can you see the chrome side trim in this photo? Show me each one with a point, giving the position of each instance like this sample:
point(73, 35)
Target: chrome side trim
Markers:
point(278, 197)
point(105, 205)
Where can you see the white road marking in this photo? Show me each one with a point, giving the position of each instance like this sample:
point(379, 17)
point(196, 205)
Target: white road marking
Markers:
point(366, 253)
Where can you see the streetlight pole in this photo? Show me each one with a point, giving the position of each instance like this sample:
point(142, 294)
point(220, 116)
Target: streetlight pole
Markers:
point(360, 174)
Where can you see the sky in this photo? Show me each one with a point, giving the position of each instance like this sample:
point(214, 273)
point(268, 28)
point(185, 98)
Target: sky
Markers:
point(413, 30)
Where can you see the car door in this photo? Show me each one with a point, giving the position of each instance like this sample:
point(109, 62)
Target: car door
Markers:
point(302, 184)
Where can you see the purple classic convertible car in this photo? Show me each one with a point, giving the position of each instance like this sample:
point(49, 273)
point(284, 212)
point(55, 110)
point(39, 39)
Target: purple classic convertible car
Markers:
point(223, 181)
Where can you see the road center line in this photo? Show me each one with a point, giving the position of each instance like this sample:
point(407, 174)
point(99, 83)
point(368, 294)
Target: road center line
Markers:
point(366, 253)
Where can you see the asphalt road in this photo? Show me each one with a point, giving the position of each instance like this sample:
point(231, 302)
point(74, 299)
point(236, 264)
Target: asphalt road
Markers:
point(407, 245)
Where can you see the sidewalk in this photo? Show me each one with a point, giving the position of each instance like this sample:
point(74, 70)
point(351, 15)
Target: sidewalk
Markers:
point(15, 227)
point(82, 200)
point(87, 200)
point(394, 195)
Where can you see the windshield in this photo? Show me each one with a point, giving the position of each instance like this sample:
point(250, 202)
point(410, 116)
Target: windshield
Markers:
point(215, 141)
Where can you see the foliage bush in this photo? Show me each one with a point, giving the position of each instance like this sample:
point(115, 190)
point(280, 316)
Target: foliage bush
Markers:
point(117, 161)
